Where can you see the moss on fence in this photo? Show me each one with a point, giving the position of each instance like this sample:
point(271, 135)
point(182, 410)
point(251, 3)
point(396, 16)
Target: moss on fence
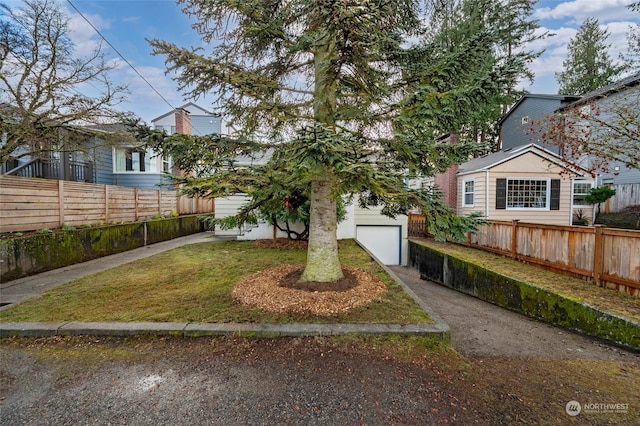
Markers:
point(32, 254)
point(525, 297)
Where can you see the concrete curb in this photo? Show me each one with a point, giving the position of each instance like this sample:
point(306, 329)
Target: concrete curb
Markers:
point(29, 329)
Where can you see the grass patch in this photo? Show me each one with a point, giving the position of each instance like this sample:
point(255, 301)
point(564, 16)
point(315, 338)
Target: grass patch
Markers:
point(606, 300)
point(193, 284)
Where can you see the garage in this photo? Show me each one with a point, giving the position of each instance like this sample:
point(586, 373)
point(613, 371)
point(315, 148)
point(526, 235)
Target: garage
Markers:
point(384, 241)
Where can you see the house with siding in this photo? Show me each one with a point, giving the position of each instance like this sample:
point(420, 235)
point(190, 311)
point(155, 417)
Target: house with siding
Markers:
point(527, 183)
point(515, 125)
point(598, 112)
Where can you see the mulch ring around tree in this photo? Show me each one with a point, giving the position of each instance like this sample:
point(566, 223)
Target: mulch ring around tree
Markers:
point(277, 289)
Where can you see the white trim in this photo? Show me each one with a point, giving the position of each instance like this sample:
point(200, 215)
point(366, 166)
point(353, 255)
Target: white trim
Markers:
point(580, 206)
point(529, 178)
point(464, 192)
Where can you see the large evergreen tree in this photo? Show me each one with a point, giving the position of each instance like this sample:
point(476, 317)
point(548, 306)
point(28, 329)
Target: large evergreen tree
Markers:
point(588, 65)
point(345, 98)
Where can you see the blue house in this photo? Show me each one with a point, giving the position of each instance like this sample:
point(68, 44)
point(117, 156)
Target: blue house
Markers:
point(123, 163)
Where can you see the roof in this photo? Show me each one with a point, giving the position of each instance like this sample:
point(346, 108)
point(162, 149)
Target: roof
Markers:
point(561, 98)
point(489, 161)
point(630, 81)
point(187, 106)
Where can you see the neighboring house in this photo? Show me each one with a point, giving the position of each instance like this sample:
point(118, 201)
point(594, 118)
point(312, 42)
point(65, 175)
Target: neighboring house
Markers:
point(189, 119)
point(515, 126)
point(607, 103)
point(528, 183)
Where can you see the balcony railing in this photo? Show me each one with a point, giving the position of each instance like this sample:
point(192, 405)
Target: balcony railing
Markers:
point(53, 168)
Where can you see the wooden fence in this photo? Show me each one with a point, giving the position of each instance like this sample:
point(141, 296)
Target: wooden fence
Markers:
point(609, 257)
point(28, 204)
point(627, 194)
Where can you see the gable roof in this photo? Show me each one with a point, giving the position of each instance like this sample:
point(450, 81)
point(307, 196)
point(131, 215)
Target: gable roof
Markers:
point(618, 86)
point(514, 107)
point(190, 107)
point(490, 161)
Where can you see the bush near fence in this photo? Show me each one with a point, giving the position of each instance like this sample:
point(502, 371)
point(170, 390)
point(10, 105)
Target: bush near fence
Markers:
point(606, 256)
point(28, 204)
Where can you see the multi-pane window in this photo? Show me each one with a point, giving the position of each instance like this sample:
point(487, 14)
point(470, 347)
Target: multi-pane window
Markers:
point(527, 193)
point(468, 192)
point(580, 191)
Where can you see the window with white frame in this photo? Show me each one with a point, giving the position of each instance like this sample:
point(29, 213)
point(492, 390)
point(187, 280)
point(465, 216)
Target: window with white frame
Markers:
point(580, 191)
point(527, 193)
point(136, 160)
point(468, 191)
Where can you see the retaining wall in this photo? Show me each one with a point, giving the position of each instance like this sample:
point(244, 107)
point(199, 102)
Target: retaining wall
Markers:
point(29, 255)
point(522, 297)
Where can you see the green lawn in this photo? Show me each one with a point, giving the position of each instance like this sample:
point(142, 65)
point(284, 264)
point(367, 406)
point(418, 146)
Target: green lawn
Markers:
point(193, 284)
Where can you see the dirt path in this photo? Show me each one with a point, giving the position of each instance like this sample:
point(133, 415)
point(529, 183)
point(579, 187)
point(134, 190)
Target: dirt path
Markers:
point(480, 328)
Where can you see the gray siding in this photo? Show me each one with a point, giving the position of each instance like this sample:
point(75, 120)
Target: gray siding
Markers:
point(141, 180)
point(514, 133)
point(206, 124)
point(103, 165)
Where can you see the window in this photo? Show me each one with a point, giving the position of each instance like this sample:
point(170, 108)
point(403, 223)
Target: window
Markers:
point(580, 191)
point(467, 193)
point(528, 194)
point(135, 160)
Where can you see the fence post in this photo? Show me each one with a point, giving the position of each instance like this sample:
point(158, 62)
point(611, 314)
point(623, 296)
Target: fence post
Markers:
point(61, 201)
point(598, 254)
point(514, 238)
point(178, 199)
point(159, 203)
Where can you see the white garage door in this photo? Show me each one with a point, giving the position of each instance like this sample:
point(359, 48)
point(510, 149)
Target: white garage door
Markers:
point(383, 241)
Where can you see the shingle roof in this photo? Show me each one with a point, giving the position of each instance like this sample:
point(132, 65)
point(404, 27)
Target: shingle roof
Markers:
point(632, 80)
point(491, 160)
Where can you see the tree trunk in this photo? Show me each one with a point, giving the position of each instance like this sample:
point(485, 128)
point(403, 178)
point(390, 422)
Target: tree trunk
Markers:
point(323, 264)
point(322, 254)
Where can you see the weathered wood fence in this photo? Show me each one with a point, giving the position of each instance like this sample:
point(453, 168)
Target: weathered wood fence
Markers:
point(28, 204)
point(627, 194)
point(609, 257)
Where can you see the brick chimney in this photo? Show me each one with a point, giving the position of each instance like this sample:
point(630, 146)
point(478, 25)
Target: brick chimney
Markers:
point(447, 181)
point(183, 121)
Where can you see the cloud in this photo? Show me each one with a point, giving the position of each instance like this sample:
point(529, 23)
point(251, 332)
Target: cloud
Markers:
point(579, 10)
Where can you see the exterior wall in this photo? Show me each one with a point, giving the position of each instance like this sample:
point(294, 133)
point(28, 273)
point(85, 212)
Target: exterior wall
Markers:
point(479, 196)
point(228, 206)
point(206, 124)
point(525, 166)
point(103, 165)
point(531, 166)
point(514, 133)
point(141, 180)
point(447, 183)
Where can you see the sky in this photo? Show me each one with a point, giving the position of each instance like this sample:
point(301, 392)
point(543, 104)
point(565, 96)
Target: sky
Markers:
point(126, 24)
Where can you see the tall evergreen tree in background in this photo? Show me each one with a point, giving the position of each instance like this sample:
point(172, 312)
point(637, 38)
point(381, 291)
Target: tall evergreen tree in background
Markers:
point(588, 65)
point(633, 38)
point(347, 97)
